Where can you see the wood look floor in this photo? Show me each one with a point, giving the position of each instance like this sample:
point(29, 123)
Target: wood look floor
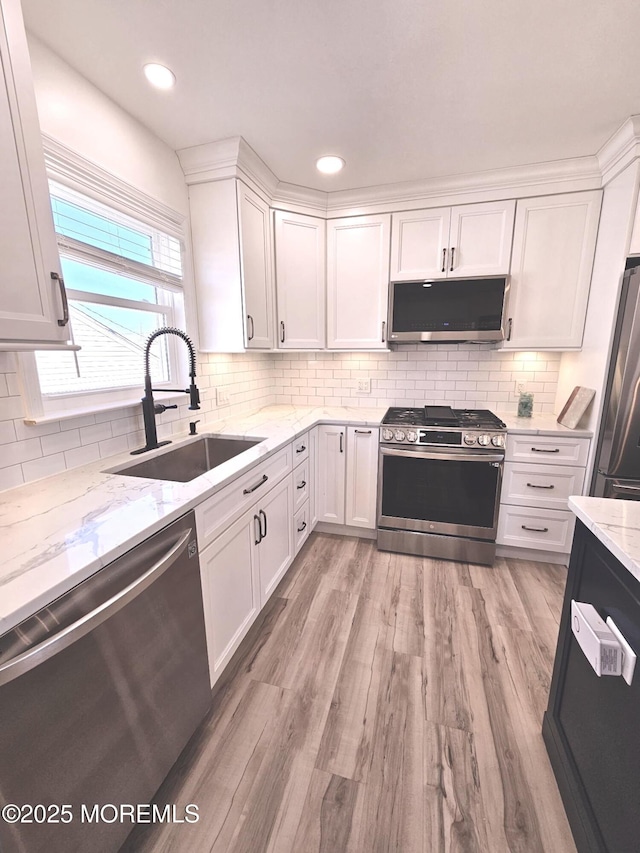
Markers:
point(383, 704)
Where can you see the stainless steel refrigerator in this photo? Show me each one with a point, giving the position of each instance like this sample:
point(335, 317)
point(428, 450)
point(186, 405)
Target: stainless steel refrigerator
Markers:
point(617, 466)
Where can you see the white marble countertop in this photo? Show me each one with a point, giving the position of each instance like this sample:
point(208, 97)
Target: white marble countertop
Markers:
point(540, 425)
point(56, 532)
point(616, 524)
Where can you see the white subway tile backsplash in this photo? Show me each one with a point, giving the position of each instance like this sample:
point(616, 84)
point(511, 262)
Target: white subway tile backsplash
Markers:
point(11, 407)
point(7, 432)
point(20, 451)
point(46, 466)
point(12, 476)
point(82, 455)
point(60, 441)
point(95, 433)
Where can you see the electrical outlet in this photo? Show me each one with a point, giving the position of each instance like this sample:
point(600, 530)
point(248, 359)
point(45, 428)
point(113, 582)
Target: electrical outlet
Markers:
point(222, 397)
point(519, 387)
point(363, 386)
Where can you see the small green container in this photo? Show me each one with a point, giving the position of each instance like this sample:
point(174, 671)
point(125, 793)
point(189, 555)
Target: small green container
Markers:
point(525, 405)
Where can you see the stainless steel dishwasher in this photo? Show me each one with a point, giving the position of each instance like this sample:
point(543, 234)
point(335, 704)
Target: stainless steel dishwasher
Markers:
point(99, 693)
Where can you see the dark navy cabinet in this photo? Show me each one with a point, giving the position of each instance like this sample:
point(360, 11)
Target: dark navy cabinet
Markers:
point(592, 725)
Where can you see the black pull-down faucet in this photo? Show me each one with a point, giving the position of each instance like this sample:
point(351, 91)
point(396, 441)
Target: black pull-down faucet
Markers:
point(149, 407)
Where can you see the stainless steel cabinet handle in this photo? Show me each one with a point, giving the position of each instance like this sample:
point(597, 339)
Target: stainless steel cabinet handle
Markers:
point(444, 260)
point(259, 533)
point(251, 336)
point(264, 515)
point(302, 485)
point(341, 442)
point(453, 251)
point(535, 529)
point(509, 326)
point(363, 432)
point(281, 331)
point(304, 525)
point(536, 486)
point(50, 647)
point(545, 450)
point(301, 449)
point(257, 485)
point(63, 296)
point(383, 331)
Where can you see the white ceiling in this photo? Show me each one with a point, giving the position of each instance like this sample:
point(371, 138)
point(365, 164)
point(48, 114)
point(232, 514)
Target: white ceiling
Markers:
point(401, 89)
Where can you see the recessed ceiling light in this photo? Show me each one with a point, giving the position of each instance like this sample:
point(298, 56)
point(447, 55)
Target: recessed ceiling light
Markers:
point(330, 165)
point(159, 75)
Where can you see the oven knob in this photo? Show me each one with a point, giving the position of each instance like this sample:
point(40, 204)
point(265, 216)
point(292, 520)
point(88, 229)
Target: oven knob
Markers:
point(387, 434)
point(398, 435)
point(498, 441)
point(469, 438)
point(484, 440)
point(412, 435)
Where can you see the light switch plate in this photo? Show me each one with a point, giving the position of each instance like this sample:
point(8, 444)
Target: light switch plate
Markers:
point(222, 397)
point(363, 386)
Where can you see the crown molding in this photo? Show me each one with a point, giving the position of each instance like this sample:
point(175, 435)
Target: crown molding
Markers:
point(227, 158)
point(71, 169)
point(234, 158)
point(620, 149)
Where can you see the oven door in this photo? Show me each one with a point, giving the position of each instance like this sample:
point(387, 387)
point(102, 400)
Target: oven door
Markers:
point(451, 492)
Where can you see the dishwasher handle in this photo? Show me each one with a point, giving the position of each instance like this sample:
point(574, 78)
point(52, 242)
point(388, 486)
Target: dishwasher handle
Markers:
point(27, 661)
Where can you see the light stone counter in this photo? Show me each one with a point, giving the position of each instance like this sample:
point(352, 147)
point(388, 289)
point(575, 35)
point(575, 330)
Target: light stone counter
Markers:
point(540, 425)
point(616, 524)
point(56, 532)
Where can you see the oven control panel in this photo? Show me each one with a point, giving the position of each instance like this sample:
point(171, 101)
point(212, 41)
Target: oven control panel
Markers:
point(442, 437)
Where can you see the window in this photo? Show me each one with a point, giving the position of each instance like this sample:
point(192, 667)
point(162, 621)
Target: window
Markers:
point(124, 281)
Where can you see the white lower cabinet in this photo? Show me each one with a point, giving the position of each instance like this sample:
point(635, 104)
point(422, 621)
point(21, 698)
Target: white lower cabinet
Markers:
point(331, 473)
point(230, 590)
point(362, 477)
point(275, 539)
point(347, 475)
point(241, 568)
point(536, 485)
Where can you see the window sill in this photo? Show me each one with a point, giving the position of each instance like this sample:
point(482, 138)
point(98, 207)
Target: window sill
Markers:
point(81, 411)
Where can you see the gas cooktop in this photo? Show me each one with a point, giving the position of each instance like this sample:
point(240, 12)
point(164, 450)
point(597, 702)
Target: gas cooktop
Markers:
point(443, 416)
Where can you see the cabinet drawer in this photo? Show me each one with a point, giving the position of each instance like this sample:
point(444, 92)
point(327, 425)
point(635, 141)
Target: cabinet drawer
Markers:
point(547, 449)
point(542, 529)
point(301, 526)
point(301, 485)
point(300, 449)
point(221, 509)
point(548, 486)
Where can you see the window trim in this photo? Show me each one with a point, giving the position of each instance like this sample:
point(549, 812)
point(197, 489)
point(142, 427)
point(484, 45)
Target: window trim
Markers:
point(68, 169)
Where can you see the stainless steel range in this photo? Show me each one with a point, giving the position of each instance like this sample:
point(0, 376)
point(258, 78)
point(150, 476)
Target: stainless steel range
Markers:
point(439, 478)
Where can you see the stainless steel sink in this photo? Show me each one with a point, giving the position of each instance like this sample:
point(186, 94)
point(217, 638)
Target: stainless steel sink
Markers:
point(185, 463)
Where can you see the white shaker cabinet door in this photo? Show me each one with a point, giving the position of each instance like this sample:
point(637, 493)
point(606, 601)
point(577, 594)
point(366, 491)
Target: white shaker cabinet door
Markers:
point(300, 243)
point(275, 546)
point(230, 590)
point(419, 243)
point(358, 282)
point(553, 249)
point(362, 477)
point(480, 239)
point(32, 303)
point(331, 473)
point(257, 268)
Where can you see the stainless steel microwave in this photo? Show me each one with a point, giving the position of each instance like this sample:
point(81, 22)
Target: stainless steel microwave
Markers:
point(451, 309)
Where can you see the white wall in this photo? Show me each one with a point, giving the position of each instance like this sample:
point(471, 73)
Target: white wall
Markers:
point(588, 367)
point(75, 113)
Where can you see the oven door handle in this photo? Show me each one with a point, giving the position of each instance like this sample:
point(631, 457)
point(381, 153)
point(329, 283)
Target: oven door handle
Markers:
point(463, 456)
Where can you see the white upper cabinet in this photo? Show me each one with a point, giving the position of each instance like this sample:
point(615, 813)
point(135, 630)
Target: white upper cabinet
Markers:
point(357, 282)
point(231, 239)
point(33, 305)
point(467, 240)
point(553, 249)
point(257, 267)
point(300, 243)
